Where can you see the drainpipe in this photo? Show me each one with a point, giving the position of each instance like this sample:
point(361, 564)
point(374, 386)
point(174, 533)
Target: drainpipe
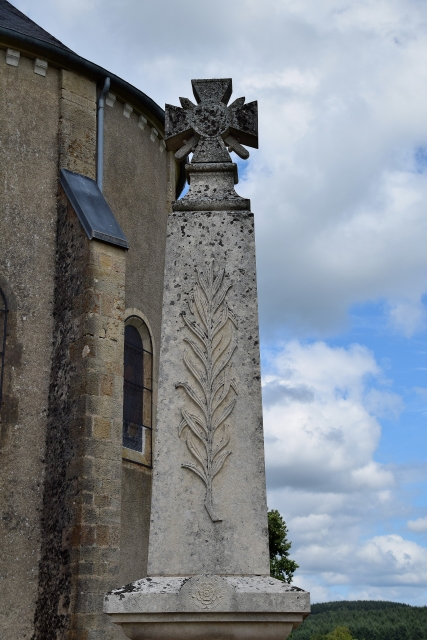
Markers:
point(100, 134)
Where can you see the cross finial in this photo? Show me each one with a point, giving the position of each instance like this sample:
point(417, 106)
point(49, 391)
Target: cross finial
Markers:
point(210, 126)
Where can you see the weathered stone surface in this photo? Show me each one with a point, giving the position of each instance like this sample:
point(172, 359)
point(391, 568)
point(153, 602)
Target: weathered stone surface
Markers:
point(210, 122)
point(207, 606)
point(77, 124)
point(183, 538)
point(80, 537)
point(136, 176)
point(220, 626)
point(212, 189)
point(208, 593)
point(29, 108)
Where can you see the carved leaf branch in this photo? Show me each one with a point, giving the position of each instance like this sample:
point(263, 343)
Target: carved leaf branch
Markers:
point(211, 348)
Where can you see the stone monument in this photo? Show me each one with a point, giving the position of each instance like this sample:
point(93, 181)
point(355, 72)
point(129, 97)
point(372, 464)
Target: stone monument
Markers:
point(208, 564)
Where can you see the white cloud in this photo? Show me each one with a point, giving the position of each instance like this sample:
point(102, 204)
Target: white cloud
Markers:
point(320, 424)
point(407, 316)
point(383, 404)
point(342, 87)
point(293, 79)
point(382, 567)
point(393, 560)
point(323, 406)
point(419, 525)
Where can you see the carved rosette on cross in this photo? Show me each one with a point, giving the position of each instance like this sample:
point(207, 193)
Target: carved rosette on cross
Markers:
point(210, 130)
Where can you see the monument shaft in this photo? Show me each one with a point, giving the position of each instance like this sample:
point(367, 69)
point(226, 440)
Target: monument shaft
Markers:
point(209, 512)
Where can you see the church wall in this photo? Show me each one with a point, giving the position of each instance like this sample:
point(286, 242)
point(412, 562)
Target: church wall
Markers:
point(81, 516)
point(137, 170)
point(135, 519)
point(74, 516)
point(29, 114)
point(77, 124)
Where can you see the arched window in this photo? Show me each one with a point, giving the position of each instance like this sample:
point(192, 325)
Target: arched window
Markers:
point(138, 388)
point(3, 328)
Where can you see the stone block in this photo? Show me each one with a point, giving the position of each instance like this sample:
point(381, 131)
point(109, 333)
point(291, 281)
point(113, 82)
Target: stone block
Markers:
point(85, 568)
point(102, 428)
point(110, 99)
point(82, 535)
point(87, 498)
point(79, 634)
point(103, 500)
point(89, 515)
point(92, 383)
point(12, 57)
point(99, 405)
point(40, 67)
point(108, 304)
point(105, 261)
point(105, 535)
point(85, 621)
point(79, 85)
point(109, 516)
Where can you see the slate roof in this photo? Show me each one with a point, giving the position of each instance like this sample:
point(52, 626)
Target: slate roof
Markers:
point(11, 18)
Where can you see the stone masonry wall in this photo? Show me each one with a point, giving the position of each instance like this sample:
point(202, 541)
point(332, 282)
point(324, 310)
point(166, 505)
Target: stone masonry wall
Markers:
point(77, 124)
point(136, 179)
point(81, 519)
point(29, 114)
point(61, 429)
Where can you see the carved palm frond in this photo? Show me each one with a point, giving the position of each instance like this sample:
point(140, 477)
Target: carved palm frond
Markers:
point(212, 345)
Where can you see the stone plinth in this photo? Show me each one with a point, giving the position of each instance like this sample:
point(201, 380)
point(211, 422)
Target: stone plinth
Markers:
point(208, 560)
point(200, 607)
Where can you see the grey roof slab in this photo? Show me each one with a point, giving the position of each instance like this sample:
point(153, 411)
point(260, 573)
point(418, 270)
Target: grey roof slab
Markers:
point(92, 209)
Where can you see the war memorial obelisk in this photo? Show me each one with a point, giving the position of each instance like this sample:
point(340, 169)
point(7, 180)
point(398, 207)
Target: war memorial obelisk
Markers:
point(208, 565)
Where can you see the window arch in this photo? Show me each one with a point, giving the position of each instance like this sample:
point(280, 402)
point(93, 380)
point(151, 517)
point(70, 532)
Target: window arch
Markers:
point(3, 329)
point(138, 388)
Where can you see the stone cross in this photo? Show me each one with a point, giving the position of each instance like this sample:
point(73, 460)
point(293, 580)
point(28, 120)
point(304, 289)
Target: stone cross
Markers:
point(208, 128)
point(208, 562)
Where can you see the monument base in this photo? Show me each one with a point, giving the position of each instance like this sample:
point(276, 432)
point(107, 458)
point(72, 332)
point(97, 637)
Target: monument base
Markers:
point(214, 607)
point(202, 627)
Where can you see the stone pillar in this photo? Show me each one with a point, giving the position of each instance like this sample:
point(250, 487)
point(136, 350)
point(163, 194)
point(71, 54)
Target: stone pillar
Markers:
point(208, 562)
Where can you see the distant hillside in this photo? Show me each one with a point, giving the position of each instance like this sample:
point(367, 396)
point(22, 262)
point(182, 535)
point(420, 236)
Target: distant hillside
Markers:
point(366, 619)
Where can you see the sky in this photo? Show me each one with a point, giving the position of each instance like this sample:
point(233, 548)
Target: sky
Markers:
point(339, 191)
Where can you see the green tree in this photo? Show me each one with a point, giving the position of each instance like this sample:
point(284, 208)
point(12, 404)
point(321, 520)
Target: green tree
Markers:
point(340, 633)
point(281, 566)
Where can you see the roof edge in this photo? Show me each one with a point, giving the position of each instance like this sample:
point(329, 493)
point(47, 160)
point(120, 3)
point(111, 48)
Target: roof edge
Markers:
point(70, 60)
point(67, 59)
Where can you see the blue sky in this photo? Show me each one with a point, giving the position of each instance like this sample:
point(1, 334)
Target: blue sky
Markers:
point(339, 192)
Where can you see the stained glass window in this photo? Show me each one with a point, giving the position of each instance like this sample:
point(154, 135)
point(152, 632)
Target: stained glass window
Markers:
point(138, 388)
